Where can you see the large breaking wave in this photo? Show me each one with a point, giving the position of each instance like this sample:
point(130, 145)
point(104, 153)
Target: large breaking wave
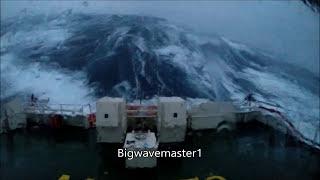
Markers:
point(76, 58)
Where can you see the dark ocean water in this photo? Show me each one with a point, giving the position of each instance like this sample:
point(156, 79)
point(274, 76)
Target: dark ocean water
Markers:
point(248, 153)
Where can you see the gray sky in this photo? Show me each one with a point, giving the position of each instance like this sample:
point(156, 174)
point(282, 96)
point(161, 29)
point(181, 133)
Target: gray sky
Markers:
point(289, 29)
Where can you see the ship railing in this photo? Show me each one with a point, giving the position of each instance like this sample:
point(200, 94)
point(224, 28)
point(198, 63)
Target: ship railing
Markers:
point(63, 109)
point(136, 111)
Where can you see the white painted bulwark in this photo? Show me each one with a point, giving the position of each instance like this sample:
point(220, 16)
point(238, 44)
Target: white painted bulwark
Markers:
point(12, 115)
point(173, 117)
point(210, 114)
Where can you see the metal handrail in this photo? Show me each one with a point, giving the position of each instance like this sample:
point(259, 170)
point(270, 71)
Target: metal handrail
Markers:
point(54, 108)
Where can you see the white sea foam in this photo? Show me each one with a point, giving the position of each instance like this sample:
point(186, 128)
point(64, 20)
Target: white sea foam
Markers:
point(298, 104)
point(60, 87)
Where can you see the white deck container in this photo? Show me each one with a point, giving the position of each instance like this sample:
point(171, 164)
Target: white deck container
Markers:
point(172, 118)
point(110, 120)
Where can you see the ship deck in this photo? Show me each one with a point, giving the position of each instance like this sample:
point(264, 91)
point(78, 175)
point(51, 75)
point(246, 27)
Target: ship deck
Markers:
point(253, 151)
